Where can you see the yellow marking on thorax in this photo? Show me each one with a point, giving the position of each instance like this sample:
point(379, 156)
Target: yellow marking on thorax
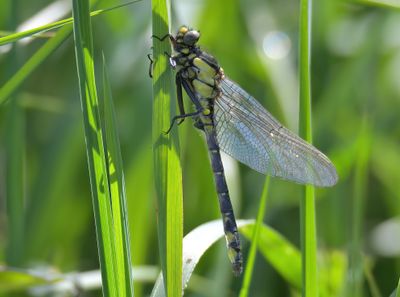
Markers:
point(205, 70)
point(205, 78)
point(204, 90)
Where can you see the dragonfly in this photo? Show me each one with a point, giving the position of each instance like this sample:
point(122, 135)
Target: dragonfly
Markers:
point(236, 123)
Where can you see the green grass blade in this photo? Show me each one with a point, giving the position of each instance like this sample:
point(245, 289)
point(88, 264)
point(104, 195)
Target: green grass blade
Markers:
point(39, 282)
point(14, 165)
point(332, 273)
point(19, 77)
point(95, 149)
point(279, 252)
point(14, 281)
point(15, 148)
point(393, 4)
point(10, 38)
point(167, 167)
point(41, 29)
point(307, 204)
point(371, 281)
point(117, 190)
point(254, 241)
point(355, 278)
point(49, 47)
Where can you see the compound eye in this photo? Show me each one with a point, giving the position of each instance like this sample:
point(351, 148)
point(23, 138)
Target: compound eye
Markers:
point(191, 37)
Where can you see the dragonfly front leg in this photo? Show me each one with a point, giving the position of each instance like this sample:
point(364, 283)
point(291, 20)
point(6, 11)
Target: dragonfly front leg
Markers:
point(170, 58)
point(173, 41)
point(162, 38)
point(151, 65)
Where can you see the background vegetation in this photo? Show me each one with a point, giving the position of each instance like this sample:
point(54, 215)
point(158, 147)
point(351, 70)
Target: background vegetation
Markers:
point(355, 87)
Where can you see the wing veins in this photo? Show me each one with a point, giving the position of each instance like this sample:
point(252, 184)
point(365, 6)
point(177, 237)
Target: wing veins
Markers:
point(288, 152)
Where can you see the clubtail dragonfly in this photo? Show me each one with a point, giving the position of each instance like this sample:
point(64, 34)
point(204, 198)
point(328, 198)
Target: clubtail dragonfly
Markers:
point(236, 123)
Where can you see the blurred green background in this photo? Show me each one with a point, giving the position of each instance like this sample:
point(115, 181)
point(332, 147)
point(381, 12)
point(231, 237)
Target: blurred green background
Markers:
point(356, 106)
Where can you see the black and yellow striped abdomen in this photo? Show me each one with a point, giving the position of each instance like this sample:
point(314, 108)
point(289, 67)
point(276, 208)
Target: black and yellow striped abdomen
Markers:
point(225, 205)
point(203, 74)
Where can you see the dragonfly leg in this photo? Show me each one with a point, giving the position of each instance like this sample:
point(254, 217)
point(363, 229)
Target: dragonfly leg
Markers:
point(151, 65)
point(170, 58)
point(180, 118)
point(178, 83)
point(191, 95)
point(172, 39)
point(161, 38)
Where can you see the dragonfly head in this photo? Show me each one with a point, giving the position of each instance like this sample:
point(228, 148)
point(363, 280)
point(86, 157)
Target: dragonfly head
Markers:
point(186, 38)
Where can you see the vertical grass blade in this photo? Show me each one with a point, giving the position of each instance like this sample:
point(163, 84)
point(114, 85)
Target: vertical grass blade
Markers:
point(167, 167)
point(94, 142)
point(307, 204)
point(117, 190)
point(356, 265)
point(108, 217)
point(254, 241)
point(15, 152)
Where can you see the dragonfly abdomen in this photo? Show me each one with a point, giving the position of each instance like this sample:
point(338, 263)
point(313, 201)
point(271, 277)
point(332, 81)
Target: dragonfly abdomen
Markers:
point(228, 216)
point(205, 87)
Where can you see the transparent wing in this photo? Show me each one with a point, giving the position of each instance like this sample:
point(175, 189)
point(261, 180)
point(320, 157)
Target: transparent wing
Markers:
point(250, 134)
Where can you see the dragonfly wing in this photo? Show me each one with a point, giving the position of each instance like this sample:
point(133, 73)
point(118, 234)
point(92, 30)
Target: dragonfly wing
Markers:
point(250, 134)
